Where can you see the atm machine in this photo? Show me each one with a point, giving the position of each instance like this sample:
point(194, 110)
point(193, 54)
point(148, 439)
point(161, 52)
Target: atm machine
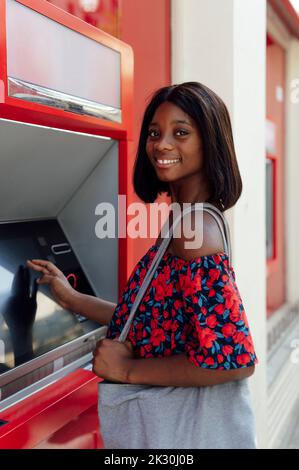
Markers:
point(65, 122)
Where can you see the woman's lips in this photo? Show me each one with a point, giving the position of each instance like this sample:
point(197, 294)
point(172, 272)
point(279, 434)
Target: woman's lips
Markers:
point(167, 162)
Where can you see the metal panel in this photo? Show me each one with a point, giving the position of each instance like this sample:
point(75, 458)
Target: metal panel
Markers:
point(47, 61)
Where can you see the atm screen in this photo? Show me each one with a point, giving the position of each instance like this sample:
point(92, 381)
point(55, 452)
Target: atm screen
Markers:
point(31, 322)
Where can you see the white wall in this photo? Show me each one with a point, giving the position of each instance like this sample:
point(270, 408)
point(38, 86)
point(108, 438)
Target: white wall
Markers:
point(221, 43)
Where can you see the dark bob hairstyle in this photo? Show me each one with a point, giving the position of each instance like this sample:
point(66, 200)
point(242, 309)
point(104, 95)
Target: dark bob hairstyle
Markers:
point(213, 122)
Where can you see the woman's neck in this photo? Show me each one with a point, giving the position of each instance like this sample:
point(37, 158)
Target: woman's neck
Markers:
point(192, 189)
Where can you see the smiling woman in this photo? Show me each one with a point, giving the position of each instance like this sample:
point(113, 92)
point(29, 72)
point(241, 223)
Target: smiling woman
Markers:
point(186, 136)
point(174, 142)
point(178, 344)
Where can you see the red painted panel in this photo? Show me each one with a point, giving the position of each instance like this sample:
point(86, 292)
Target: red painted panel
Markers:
point(276, 269)
point(38, 417)
point(80, 433)
point(104, 14)
point(145, 25)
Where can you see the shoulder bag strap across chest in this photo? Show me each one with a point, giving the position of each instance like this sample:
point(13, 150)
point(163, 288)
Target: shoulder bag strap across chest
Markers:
point(163, 247)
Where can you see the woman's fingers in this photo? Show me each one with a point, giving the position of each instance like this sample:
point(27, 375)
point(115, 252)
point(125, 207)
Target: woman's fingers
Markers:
point(46, 279)
point(43, 266)
point(48, 270)
point(37, 267)
point(127, 343)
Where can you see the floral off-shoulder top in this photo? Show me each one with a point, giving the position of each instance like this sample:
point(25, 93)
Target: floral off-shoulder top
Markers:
point(192, 307)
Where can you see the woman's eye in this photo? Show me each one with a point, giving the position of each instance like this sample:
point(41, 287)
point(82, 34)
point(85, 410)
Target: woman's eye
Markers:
point(152, 133)
point(181, 132)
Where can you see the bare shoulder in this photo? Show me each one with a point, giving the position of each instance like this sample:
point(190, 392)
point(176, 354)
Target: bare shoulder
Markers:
point(211, 237)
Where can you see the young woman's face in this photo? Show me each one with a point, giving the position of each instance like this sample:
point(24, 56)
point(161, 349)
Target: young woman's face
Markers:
point(174, 145)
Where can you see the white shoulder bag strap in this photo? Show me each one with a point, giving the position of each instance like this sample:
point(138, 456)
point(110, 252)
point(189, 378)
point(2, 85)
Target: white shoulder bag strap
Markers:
point(226, 234)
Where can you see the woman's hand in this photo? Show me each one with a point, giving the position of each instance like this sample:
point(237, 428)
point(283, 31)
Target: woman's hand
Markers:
point(64, 294)
point(112, 360)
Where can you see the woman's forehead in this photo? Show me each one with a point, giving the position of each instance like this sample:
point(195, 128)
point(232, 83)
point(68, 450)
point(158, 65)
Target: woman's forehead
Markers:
point(173, 113)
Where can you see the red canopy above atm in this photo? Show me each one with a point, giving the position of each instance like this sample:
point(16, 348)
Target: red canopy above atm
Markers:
point(58, 71)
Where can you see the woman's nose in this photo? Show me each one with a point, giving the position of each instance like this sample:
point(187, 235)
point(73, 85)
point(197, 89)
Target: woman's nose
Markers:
point(164, 143)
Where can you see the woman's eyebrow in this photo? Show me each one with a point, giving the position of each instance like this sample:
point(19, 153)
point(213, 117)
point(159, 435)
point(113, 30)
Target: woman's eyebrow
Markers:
point(181, 121)
point(177, 121)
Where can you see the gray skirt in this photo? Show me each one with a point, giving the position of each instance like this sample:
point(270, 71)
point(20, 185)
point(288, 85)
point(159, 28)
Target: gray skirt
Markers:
point(154, 417)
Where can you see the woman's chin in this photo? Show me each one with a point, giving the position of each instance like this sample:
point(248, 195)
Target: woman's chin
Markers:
point(167, 174)
point(168, 178)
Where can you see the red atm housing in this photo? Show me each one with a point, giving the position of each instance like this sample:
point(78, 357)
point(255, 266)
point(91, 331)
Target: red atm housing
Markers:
point(60, 74)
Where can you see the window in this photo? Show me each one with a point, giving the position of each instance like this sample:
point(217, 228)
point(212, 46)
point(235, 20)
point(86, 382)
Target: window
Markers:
point(270, 229)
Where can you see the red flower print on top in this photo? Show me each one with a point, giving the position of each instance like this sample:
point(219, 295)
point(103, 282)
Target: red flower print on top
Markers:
point(167, 325)
point(220, 309)
point(158, 336)
point(248, 345)
point(190, 307)
point(212, 293)
point(162, 288)
point(214, 274)
point(206, 337)
point(220, 358)
point(229, 296)
point(227, 350)
point(228, 329)
point(243, 359)
point(234, 316)
point(212, 321)
point(239, 337)
point(190, 286)
point(210, 361)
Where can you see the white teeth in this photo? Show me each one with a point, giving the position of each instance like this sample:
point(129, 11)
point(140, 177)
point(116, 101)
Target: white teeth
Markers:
point(167, 162)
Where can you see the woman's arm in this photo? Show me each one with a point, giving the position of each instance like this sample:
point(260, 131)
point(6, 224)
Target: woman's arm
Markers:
point(94, 308)
point(178, 371)
point(115, 361)
point(91, 307)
